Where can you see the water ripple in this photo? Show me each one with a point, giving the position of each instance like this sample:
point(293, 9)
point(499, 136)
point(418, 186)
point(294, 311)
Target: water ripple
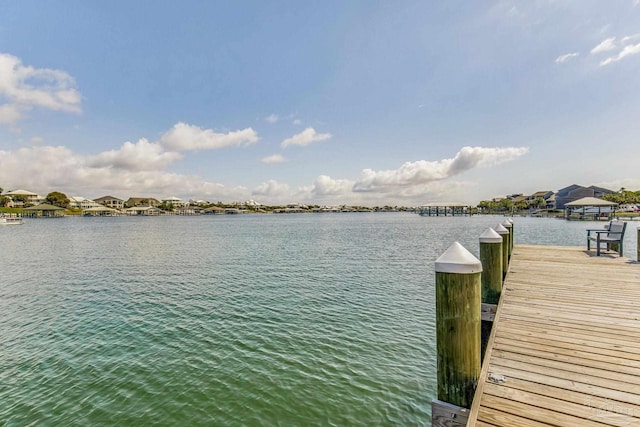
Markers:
point(247, 320)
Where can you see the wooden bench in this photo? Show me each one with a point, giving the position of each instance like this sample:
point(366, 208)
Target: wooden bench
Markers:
point(613, 233)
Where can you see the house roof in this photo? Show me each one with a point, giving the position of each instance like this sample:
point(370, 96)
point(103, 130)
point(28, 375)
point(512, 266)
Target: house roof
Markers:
point(43, 207)
point(590, 201)
point(79, 199)
point(600, 189)
point(20, 193)
point(140, 199)
point(101, 199)
point(540, 193)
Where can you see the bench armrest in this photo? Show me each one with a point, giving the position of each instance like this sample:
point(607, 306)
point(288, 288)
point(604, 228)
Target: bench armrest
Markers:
point(597, 230)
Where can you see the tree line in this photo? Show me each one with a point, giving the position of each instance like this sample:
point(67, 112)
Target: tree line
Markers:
point(623, 197)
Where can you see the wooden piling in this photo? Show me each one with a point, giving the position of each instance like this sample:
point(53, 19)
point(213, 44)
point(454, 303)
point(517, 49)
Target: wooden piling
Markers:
point(504, 233)
point(509, 226)
point(491, 280)
point(511, 232)
point(458, 298)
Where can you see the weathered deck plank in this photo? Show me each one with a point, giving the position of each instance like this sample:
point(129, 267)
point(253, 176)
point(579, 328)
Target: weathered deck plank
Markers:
point(565, 347)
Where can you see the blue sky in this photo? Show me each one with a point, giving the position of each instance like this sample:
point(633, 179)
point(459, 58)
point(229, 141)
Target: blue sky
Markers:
point(323, 102)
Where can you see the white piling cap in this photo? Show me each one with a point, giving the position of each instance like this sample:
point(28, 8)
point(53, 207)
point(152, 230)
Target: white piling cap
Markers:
point(500, 229)
point(490, 236)
point(510, 220)
point(457, 259)
point(507, 224)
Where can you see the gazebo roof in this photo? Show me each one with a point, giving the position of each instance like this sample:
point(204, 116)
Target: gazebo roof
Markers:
point(43, 207)
point(590, 201)
point(99, 209)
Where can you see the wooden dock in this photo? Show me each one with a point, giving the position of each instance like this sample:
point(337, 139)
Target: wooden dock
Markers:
point(565, 346)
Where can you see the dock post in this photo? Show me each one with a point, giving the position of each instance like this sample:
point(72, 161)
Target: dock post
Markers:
point(504, 233)
point(509, 226)
point(491, 280)
point(511, 236)
point(458, 298)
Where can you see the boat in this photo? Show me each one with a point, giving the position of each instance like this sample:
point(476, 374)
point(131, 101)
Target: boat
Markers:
point(10, 219)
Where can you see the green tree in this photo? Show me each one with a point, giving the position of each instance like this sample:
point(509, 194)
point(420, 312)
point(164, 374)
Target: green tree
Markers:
point(505, 205)
point(57, 198)
point(166, 206)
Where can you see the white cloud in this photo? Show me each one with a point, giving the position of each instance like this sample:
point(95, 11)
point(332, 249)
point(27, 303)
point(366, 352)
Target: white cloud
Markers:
point(271, 189)
point(272, 118)
point(188, 137)
point(143, 155)
point(45, 169)
point(139, 169)
point(326, 186)
point(297, 122)
point(627, 39)
point(629, 50)
point(276, 158)
point(25, 87)
point(412, 175)
point(564, 58)
point(305, 137)
point(624, 48)
point(9, 114)
point(605, 46)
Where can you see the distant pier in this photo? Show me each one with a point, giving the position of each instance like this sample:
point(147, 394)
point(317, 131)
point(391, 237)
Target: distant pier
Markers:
point(444, 209)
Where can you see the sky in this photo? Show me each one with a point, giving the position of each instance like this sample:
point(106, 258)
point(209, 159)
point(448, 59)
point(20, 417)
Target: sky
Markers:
point(319, 102)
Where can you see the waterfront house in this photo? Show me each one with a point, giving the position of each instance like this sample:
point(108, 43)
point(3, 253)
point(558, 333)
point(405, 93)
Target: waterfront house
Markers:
point(175, 202)
point(31, 198)
point(544, 195)
point(111, 202)
point(551, 202)
point(517, 199)
point(575, 192)
point(134, 202)
point(82, 203)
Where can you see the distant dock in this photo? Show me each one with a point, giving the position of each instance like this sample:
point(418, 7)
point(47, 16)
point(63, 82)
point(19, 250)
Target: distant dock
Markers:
point(444, 209)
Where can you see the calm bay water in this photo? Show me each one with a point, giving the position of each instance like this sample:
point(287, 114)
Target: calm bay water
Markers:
point(249, 320)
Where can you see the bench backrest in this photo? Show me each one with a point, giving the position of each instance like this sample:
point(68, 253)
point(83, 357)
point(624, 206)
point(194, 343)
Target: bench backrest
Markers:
point(616, 229)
